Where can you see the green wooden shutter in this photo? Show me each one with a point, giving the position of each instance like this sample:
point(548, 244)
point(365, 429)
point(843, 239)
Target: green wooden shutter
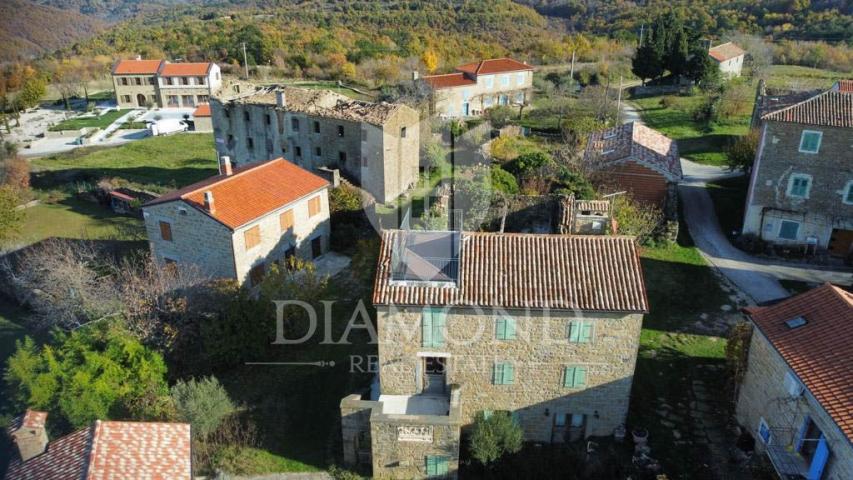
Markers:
point(509, 374)
point(585, 332)
point(568, 377)
point(580, 377)
point(500, 329)
point(510, 329)
point(438, 324)
point(431, 465)
point(574, 332)
point(503, 374)
point(426, 327)
point(580, 331)
point(442, 466)
point(574, 377)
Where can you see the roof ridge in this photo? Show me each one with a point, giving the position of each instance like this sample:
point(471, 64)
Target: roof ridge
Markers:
point(801, 102)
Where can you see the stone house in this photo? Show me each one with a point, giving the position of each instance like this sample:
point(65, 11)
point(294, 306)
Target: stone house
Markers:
point(374, 144)
point(635, 158)
point(801, 187)
point(475, 87)
point(144, 83)
point(545, 327)
point(729, 57)
point(235, 224)
point(796, 398)
point(107, 449)
point(202, 121)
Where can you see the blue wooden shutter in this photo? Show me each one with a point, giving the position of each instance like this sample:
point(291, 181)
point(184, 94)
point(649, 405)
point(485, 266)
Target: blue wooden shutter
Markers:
point(574, 377)
point(426, 327)
point(442, 465)
point(431, 465)
point(801, 434)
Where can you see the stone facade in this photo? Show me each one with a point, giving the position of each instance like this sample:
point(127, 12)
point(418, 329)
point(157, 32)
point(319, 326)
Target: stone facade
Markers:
point(763, 395)
point(199, 240)
point(136, 91)
point(825, 210)
point(382, 157)
point(157, 90)
point(487, 91)
point(540, 353)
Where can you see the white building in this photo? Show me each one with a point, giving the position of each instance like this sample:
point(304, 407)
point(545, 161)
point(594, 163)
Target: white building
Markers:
point(729, 57)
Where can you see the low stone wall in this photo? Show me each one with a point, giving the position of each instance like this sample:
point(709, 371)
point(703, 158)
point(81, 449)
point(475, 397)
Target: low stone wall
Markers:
point(64, 133)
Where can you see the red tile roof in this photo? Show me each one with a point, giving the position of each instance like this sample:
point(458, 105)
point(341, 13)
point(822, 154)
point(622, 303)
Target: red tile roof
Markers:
point(449, 80)
point(137, 67)
point(830, 109)
point(112, 450)
point(637, 142)
point(202, 110)
point(493, 65)
point(185, 69)
point(725, 51)
point(589, 273)
point(818, 352)
point(844, 86)
point(251, 192)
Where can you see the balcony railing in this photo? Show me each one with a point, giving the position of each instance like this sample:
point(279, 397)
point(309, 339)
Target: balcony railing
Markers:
point(788, 464)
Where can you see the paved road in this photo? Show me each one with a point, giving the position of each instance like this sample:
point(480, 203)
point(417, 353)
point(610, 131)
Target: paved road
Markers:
point(758, 278)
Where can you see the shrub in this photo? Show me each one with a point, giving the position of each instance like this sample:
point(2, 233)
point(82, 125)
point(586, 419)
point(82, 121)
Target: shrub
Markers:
point(503, 181)
point(11, 219)
point(529, 163)
point(500, 116)
point(494, 436)
point(202, 403)
point(741, 154)
point(575, 183)
point(344, 199)
point(636, 218)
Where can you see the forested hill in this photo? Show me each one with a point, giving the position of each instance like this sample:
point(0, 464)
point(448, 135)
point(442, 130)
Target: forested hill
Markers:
point(828, 20)
point(113, 9)
point(28, 29)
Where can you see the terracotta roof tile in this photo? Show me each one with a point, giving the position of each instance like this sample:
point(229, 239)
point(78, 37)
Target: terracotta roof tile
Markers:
point(831, 109)
point(202, 110)
point(818, 352)
point(589, 273)
point(637, 142)
point(251, 192)
point(449, 80)
point(140, 450)
point(844, 86)
point(65, 458)
point(185, 69)
point(493, 65)
point(137, 67)
point(725, 51)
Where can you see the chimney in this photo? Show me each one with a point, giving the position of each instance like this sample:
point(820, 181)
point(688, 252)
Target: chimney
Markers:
point(208, 202)
point(225, 166)
point(415, 75)
point(30, 436)
point(280, 98)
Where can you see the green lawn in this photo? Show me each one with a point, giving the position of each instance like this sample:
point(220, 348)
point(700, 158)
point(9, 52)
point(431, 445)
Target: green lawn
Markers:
point(802, 78)
point(101, 121)
point(729, 197)
point(158, 164)
point(700, 142)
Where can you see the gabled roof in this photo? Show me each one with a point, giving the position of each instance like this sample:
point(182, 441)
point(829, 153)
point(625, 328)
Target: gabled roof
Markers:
point(250, 192)
point(830, 109)
point(819, 352)
point(203, 110)
point(185, 69)
point(493, 65)
point(112, 450)
point(449, 80)
point(509, 270)
point(843, 86)
point(725, 51)
point(634, 142)
point(137, 67)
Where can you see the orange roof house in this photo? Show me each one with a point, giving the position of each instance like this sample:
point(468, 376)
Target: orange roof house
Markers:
point(466, 74)
point(185, 69)
point(105, 450)
point(137, 67)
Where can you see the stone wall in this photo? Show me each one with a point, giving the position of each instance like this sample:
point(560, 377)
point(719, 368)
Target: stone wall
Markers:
point(131, 89)
point(540, 354)
point(778, 158)
point(763, 395)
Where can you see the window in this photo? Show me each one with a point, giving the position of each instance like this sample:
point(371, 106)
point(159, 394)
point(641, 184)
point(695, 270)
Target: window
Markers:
point(764, 432)
point(250, 143)
point(432, 327)
point(437, 465)
point(125, 98)
point(252, 237)
point(574, 377)
point(318, 152)
point(137, 81)
point(124, 81)
point(795, 322)
point(267, 119)
point(487, 101)
point(403, 132)
point(185, 80)
point(503, 373)
point(519, 78)
point(788, 230)
point(172, 100)
point(166, 231)
point(519, 97)
point(490, 81)
point(152, 81)
point(799, 185)
point(285, 220)
point(810, 141)
point(313, 206)
point(316, 127)
point(342, 158)
point(505, 328)
point(203, 99)
point(793, 385)
point(246, 116)
point(340, 130)
point(294, 124)
point(256, 274)
point(505, 80)
point(848, 193)
point(227, 112)
point(188, 100)
point(298, 152)
point(199, 80)
point(580, 331)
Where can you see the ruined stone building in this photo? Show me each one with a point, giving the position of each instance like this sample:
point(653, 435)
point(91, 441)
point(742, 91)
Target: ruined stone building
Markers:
point(236, 224)
point(801, 188)
point(545, 327)
point(374, 144)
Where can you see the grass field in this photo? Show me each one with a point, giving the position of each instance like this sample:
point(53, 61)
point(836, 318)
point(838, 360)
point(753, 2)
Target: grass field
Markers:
point(802, 78)
point(158, 164)
point(69, 217)
point(101, 121)
point(698, 141)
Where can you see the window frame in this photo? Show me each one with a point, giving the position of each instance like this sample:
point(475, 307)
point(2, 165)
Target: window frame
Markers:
point(571, 372)
point(585, 331)
point(432, 332)
point(167, 231)
point(847, 193)
point(782, 225)
point(799, 176)
point(314, 206)
point(819, 141)
point(503, 373)
point(285, 220)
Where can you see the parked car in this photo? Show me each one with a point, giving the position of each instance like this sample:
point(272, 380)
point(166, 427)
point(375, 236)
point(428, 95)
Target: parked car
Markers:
point(167, 126)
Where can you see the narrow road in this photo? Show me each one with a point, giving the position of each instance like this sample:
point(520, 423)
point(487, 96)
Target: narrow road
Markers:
point(758, 278)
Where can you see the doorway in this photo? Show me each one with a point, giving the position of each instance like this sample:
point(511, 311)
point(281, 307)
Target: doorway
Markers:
point(558, 431)
point(140, 100)
point(435, 375)
point(316, 247)
point(840, 242)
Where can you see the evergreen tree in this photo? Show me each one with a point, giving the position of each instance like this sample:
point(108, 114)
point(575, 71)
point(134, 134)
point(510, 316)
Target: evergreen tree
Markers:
point(646, 63)
point(676, 59)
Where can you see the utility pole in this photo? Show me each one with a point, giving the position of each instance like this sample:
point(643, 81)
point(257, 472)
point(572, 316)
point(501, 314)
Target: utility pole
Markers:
point(572, 75)
point(245, 61)
point(642, 27)
point(619, 103)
